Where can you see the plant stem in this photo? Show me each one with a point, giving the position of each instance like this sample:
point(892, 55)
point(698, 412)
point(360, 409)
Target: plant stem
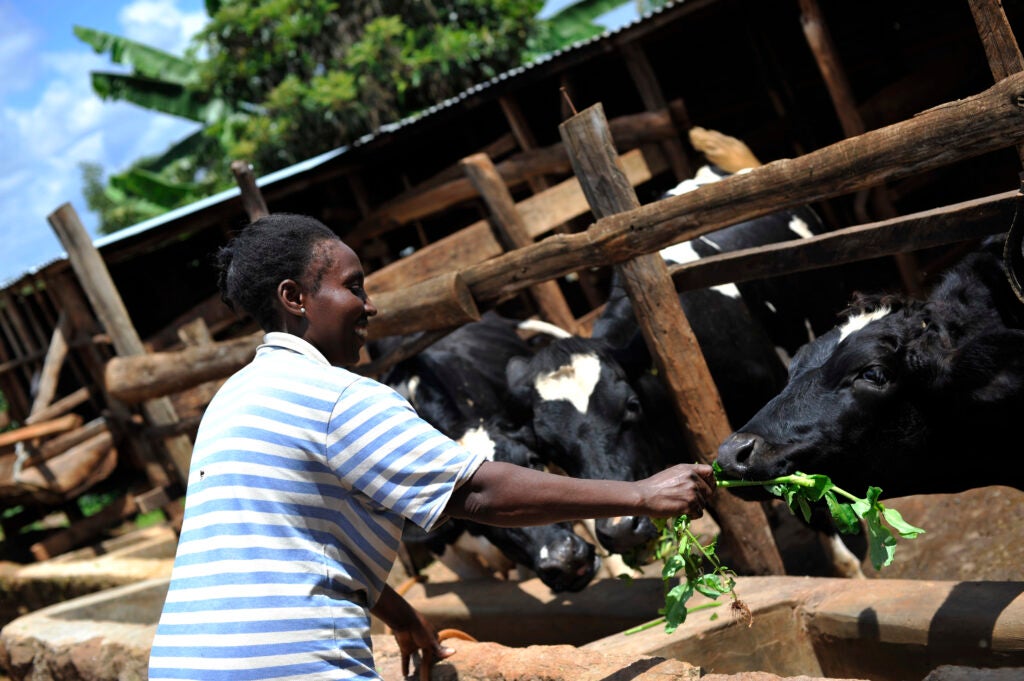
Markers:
point(794, 479)
point(661, 620)
point(785, 479)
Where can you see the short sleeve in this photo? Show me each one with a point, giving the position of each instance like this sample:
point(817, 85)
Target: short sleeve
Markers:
point(379, 446)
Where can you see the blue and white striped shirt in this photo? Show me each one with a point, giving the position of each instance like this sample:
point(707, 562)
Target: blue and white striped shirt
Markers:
point(301, 477)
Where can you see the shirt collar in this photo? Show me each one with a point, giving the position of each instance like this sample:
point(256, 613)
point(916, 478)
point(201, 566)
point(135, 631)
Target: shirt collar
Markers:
point(287, 341)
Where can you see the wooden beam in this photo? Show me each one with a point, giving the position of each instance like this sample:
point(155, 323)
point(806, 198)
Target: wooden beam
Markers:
point(523, 135)
point(252, 199)
point(50, 373)
point(965, 128)
point(541, 214)
point(629, 132)
point(41, 429)
point(673, 345)
point(513, 232)
point(441, 302)
point(963, 221)
point(820, 41)
point(95, 279)
point(1001, 48)
point(61, 406)
point(646, 83)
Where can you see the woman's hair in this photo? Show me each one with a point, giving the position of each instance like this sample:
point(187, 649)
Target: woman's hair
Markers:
point(268, 251)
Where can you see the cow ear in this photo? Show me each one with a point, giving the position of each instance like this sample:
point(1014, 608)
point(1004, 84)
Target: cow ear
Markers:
point(990, 369)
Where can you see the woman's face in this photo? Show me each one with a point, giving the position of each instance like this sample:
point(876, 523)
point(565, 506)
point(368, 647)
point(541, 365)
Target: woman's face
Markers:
point(337, 314)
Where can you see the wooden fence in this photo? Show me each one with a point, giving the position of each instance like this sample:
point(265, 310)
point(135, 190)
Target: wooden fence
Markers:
point(450, 282)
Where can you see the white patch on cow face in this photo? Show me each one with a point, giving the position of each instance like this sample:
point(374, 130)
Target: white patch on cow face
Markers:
point(859, 321)
point(683, 252)
point(574, 382)
point(800, 228)
point(478, 441)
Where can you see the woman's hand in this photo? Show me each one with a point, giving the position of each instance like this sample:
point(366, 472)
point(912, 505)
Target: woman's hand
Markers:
point(684, 489)
point(420, 637)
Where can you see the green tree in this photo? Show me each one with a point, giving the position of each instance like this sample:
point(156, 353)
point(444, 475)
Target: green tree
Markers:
point(284, 80)
point(322, 75)
point(189, 170)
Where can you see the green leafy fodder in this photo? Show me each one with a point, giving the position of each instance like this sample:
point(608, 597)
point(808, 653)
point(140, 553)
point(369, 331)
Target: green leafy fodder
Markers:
point(695, 567)
point(800, 490)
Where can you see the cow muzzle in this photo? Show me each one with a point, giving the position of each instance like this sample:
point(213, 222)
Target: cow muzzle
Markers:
point(625, 533)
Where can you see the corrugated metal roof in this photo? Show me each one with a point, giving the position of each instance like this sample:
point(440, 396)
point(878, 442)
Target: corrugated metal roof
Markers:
point(384, 131)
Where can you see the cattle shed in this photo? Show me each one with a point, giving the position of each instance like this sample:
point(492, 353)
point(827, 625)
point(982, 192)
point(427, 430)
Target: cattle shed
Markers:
point(421, 198)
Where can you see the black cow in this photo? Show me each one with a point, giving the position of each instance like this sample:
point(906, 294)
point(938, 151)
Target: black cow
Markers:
point(458, 385)
point(911, 396)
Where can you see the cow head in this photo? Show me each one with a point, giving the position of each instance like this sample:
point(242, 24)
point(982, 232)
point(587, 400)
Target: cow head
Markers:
point(588, 421)
point(902, 396)
point(562, 560)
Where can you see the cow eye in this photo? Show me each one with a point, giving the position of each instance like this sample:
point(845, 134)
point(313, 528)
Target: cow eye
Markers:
point(632, 410)
point(875, 374)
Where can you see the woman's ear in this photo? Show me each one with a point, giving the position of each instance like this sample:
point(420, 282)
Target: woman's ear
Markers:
point(289, 295)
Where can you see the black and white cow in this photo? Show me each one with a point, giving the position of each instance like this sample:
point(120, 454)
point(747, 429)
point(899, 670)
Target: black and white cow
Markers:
point(458, 385)
point(911, 396)
point(792, 308)
point(598, 412)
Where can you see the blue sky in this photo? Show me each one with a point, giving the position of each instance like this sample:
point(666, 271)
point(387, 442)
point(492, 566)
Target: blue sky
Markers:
point(51, 121)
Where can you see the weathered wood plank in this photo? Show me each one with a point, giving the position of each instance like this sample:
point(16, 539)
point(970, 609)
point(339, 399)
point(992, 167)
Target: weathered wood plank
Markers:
point(950, 224)
point(473, 244)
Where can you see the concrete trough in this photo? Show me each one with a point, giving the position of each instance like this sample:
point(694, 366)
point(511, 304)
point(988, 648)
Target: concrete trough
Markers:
point(881, 630)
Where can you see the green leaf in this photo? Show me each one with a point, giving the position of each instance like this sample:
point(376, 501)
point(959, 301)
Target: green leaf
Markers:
point(905, 529)
point(158, 95)
point(158, 190)
point(675, 606)
point(672, 565)
point(713, 585)
point(146, 61)
point(842, 515)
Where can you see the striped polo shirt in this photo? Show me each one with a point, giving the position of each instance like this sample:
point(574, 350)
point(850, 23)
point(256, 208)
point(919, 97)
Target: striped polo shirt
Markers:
point(302, 475)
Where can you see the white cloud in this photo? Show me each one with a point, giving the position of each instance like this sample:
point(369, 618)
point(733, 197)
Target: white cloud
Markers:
point(46, 139)
point(161, 24)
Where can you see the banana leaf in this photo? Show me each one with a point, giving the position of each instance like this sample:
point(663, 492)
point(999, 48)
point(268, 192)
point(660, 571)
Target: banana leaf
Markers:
point(154, 189)
point(145, 61)
point(157, 95)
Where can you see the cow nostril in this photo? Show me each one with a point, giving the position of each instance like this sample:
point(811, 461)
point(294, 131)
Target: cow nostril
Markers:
point(734, 454)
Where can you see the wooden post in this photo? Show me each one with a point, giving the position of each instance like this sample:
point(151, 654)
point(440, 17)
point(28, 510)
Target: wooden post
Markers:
point(55, 356)
point(1001, 49)
point(252, 200)
point(673, 345)
point(646, 82)
point(523, 135)
point(514, 234)
point(106, 301)
point(820, 41)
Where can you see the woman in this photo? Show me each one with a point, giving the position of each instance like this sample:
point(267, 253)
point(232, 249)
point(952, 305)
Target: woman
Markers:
point(303, 474)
